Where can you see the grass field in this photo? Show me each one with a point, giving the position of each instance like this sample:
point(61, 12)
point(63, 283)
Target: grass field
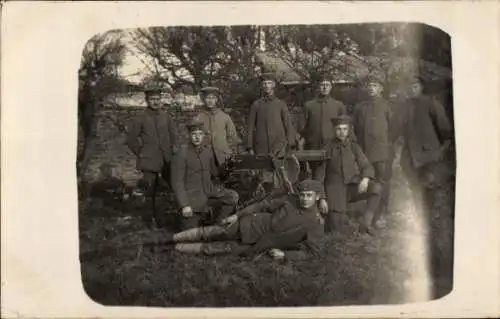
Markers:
point(355, 269)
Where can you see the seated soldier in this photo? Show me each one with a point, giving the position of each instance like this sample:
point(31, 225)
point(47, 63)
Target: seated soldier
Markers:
point(347, 175)
point(292, 223)
point(191, 177)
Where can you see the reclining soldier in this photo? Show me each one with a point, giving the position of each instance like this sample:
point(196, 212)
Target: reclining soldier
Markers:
point(288, 227)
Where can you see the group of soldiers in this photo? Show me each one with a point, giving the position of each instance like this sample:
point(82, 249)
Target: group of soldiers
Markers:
point(359, 148)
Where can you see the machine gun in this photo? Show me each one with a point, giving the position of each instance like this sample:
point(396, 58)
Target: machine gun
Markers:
point(285, 171)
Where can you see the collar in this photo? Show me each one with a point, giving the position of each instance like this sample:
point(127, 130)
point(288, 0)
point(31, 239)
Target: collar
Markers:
point(322, 98)
point(269, 98)
point(311, 210)
point(214, 110)
point(152, 111)
point(340, 143)
point(198, 149)
point(377, 99)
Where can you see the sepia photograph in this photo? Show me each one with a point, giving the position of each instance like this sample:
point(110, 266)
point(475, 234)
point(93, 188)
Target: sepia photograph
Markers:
point(266, 165)
point(257, 159)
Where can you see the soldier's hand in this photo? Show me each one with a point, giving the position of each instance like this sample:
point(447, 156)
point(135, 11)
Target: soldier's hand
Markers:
point(323, 206)
point(229, 220)
point(363, 185)
point(300, 143)
point(276, 253)
point(187, 211)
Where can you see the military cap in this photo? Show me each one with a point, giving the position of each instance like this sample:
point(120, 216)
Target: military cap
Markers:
point(269, 76)
point(150, 89)
point(210, 89)
point(342, 119)
point(310, 185)
point(194, 125)
point(325, 77)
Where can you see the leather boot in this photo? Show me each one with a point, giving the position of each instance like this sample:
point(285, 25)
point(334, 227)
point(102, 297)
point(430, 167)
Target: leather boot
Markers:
point(189, 248)
point(199, 234)
point(367, 222)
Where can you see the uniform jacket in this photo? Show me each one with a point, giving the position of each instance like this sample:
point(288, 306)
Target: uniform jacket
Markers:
point(372, 124)
point(192, 170)
point(346, 164)
point(223, 135)
point(281, 223)
point(316, 127)
point(424, 126)
point(152, 138)
point(270, 129)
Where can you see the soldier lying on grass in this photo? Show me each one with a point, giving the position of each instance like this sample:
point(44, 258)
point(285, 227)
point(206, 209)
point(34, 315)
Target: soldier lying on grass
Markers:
point(288, 227)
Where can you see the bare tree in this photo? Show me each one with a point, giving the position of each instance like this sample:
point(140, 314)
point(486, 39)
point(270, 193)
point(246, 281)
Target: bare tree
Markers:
point(197, 56)
point(313, 49)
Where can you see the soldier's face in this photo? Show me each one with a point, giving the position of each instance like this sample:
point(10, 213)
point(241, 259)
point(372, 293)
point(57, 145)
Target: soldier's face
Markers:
point(211, 100)
point(307, 198)
point(325, 87)
point(196, 137)
point(415, 89)
point(153, 101)
point(268, 87)
point(374, 89)
point(342, 131)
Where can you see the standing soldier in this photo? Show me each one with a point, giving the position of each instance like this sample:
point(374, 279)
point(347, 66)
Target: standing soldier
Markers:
point(151, 138)
point(193, 168)
point(427, 135)
point(270, 129)
point(372, 122)
point(218, 124)
point(317, 127)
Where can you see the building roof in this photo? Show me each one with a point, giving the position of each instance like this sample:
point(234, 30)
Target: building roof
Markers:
point(273, 63)
point(343, 69)
point(348, 68)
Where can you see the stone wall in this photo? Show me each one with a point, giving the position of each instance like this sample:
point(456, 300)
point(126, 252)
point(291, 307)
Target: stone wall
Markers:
point(108, 146)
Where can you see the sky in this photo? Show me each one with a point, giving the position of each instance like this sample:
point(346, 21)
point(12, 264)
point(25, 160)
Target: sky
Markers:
point(133, 69)
point(135, 64)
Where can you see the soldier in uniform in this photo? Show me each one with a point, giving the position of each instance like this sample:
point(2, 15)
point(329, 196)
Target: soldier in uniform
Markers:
point(347, 175)
point(372, 122)
point(427, 133)
point(192, 170)
point(288, 227)
point(316, 128)
point(152, 138)
point(270, 129)
point(222, 132)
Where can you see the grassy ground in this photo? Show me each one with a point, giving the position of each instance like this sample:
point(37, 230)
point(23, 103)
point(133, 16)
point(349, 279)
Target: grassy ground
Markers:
point(355, 269)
